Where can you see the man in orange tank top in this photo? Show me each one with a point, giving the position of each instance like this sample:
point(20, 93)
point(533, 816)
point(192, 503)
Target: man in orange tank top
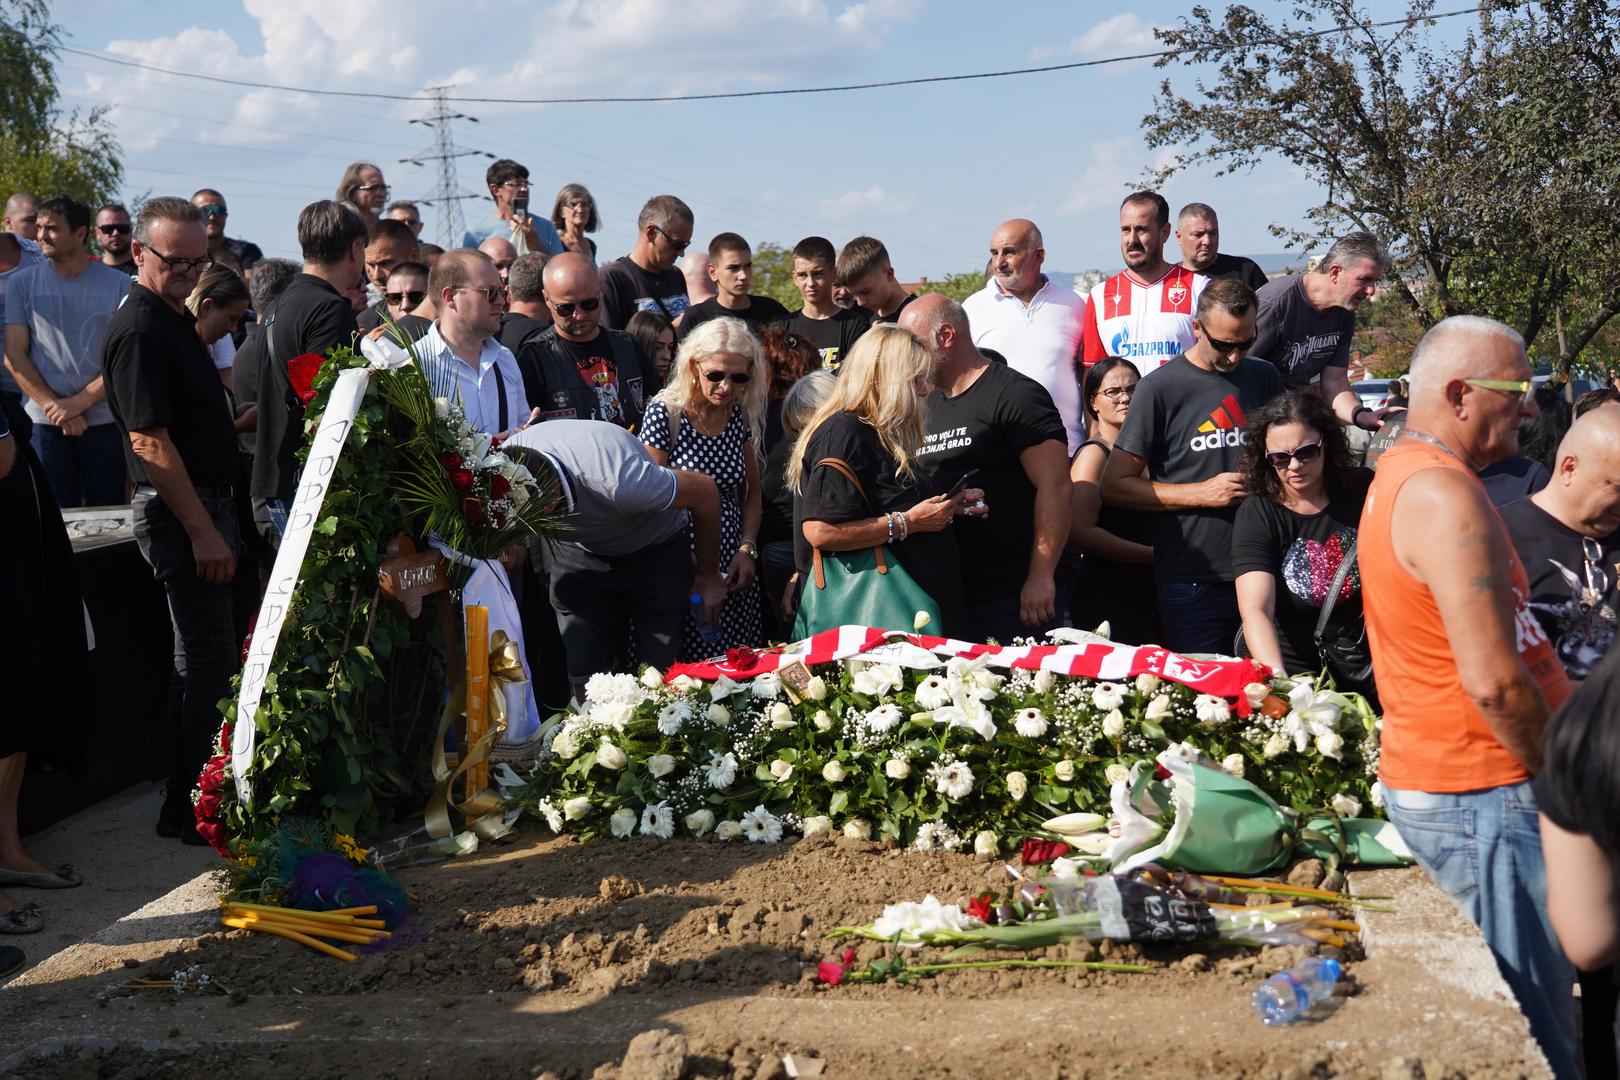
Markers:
point(1466, 674)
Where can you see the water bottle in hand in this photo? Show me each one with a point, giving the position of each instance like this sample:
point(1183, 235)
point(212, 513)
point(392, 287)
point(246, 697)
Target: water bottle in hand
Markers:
point(710, 633)
point(1284, 997)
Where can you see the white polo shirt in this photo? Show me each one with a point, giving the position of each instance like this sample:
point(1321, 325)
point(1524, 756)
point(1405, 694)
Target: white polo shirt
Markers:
point(1041, 340)
point(479, 389)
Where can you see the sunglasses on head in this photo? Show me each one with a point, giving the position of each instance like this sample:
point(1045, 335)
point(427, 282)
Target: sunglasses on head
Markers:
point(1278, 459)
point(412, 296)
point(112, 230)
point(737, 378)
point(565, 310)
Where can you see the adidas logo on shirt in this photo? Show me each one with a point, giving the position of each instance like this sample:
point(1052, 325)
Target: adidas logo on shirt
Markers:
point(1223, 428)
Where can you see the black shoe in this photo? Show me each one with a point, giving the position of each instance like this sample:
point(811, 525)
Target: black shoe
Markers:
point(12, 960)
point(176, 818)
point(192, 838)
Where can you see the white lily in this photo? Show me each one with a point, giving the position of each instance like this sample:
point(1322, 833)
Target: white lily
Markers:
point(1309, 714)
point(1074, 824)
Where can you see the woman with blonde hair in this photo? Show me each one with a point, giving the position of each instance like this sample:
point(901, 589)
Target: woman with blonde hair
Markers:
point(709, 418)
point(218, 301)
point(872, 424)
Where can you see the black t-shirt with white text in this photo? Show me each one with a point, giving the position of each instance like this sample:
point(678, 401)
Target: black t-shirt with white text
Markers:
point(1297, 339)
point(1187, 424)
point(832, 337)
point(1581, 627)
point(986, 427)
point(627, 289)
point(760, 311)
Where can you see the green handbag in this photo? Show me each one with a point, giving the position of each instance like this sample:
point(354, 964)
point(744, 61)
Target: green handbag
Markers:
point(859, 588)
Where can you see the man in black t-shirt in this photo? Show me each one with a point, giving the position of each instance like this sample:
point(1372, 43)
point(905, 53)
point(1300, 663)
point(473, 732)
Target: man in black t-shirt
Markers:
point(731, 266)
point(166, 397)
point(578, 369)
point(1184, 430)
point(212, 206)
point(312, 316)
point(986, 419)
point(1566, 540)
point(114, 236)
point(831, 329)
point(1198, 231)
point(646, 279)
point(526, 312)
point(864, 269)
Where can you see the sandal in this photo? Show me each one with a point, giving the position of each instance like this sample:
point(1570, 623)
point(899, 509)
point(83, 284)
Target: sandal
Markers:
point(63, 877)
point(22, 919)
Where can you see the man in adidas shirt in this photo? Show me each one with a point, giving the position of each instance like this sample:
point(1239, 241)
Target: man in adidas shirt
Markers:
point(1179, 455)
point(1145, 312)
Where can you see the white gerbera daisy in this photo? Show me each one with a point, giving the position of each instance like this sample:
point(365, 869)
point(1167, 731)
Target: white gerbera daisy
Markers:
point(884, 718)
point(657, 819)
point(933, 692)
point(1107, 695)
point(721, 770)
point(760, 826)
point(1030, 723)
point(954, 781)
point(672, 716)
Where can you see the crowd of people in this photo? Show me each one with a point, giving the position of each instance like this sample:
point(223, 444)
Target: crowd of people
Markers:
point(1169, 454)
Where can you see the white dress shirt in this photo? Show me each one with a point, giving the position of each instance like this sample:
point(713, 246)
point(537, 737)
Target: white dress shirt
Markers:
point(482, 389)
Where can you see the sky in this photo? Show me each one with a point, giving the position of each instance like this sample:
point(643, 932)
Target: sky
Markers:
point(930, 170)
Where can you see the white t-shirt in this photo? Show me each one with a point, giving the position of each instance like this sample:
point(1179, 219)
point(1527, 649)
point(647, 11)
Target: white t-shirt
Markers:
point(1041, 340)
point(1149, 325)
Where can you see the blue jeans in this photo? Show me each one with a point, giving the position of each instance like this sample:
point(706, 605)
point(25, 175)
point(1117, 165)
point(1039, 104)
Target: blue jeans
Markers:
point(83, 470)
point(1483, 848)
point(206, 650)
point(279, 510)
point(1199, 616)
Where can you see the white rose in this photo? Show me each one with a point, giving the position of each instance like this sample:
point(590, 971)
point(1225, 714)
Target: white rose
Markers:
point(699, 822)
point(574, 809)
point(897, 768)
point(822, 721)
point(652, 679)
point(858, 829)
point(1017, 786)
point(986, 843)
point(1346, 805)
point(1256, 693)
point(682, 684)
point(1158, 708)
point(1107, 695)
point(833, 773)
point(767, 686)
point(1113, 724)
point(1377, 794)
point(660, 765)
point(816, 688)
point(566, 743)
point(623, 821)
point(780, 716)
point(1275, 745)
point(728, 830)
point(611, 757)
point(1233, 763)
point(719, 715)
point(781, 770)
point(1116, 773)
point(820, 825)
point(1044, 681)
point(1147, 682)
point(1064, 770)
point(1329, 744)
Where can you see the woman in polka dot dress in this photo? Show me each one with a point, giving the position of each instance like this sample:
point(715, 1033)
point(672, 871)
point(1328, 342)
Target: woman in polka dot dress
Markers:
point(708, 419)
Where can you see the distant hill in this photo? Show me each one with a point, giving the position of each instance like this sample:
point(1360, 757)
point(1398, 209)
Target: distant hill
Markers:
point(1285, 262)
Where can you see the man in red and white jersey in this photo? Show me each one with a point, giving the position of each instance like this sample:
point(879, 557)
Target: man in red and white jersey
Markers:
point(1145, 312)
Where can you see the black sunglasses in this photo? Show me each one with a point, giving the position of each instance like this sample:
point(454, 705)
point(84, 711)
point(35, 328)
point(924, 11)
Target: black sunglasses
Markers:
point(565, 310)
point(112, 230)
point(182, 266)
point(414, 297)
point(1278, 459)
point(678, 245)
point(494, 294)
point(1229, 346)
point(737, 378)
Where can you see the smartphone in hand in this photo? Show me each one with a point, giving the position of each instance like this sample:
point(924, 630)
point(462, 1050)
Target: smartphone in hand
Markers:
point(961, 482)
point(520, 206)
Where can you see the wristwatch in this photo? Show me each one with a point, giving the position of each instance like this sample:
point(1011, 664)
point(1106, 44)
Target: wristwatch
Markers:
point(747, 548)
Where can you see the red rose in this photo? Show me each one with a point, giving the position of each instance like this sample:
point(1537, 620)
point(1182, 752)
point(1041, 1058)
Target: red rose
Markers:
point(450, 459)
point(499, 486)
point(1036, 852)
point(301, 371)
point(979, 908)
point(831, 972)
point(472, 509)
point(208, 806)
point(461, 480)
point(740, 657)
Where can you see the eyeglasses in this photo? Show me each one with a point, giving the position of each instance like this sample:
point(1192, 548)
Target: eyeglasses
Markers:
point(182, 266)
point(516, 185)
point(212, 210)
point(565, 310)
point(1229, 346)
point(494, 293)
point(112, 230)
point(412, 297)
point(738, 378)
point(375, 189)
point(678, 245)
point(1278, 459)
point(1525, 388)
point(1118, 393)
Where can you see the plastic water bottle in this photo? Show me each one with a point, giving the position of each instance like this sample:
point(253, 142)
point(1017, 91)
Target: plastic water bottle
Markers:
point(1284, 997)
point(711, 634)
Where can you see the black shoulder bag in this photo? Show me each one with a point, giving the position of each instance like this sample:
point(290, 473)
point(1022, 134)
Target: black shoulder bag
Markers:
point(1346, 657)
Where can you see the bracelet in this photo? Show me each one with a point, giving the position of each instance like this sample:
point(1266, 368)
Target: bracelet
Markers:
point(1355, 417)
point(888, 519)
point(905, 528)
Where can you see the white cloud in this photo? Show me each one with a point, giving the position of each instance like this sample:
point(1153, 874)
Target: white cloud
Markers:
point(1119, 35)
point(856, 204)
point(876, 14)
point(1115, 168)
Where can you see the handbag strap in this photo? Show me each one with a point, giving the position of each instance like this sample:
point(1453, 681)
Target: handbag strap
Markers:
point(842, 466)
point(1346, 563)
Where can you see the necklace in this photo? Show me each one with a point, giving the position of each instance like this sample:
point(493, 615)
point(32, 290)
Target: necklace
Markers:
point(702, 422)
point(1431, 440)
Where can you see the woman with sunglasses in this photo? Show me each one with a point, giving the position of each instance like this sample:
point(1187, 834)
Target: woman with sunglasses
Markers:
point(1294, 530)
point(710, 418)
point(1115, 580)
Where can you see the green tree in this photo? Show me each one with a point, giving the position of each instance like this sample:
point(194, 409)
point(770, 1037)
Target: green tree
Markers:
point(42, 149)
point(773, 275)
point(1491, 168)
point(956, 286)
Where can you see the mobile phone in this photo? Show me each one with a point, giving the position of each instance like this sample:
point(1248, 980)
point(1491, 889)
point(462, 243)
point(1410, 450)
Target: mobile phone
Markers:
point(961, 482)
point(520, 205)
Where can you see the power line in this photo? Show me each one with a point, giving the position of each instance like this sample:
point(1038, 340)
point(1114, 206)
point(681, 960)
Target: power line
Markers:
point(734, 94)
